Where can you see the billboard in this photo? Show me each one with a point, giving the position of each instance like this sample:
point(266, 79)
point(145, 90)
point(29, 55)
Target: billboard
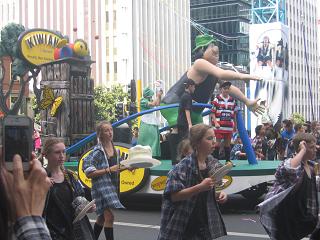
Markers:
point(268, 45)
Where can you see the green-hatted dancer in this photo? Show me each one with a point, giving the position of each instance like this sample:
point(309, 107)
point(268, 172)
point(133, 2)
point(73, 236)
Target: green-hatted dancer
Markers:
point(206, 75)
point(149, 129)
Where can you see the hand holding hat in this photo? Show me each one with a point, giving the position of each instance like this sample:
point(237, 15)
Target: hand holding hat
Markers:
point(81, 207)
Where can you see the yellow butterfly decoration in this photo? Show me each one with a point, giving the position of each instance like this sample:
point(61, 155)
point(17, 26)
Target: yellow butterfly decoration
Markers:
point(48, 99)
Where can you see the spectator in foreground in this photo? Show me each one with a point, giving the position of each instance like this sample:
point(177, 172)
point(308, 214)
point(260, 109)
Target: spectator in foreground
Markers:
point(59, 211)
point(295, 214)
point(22, 201)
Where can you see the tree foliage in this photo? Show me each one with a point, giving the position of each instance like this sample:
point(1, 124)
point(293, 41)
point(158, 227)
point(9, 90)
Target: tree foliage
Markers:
point(9, 47)
point(35, 108)
point(9, 39)
point(297, 118)
point(105, 102)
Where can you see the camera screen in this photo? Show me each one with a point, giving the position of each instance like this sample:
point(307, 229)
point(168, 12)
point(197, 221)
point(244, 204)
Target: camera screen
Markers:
point(16, 142)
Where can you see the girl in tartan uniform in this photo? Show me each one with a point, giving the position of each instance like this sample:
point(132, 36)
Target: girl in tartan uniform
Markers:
point(102, 165)
point(190, 203)
point(290, 210)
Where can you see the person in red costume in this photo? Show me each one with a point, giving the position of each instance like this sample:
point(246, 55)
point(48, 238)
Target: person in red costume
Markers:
point(223, 118)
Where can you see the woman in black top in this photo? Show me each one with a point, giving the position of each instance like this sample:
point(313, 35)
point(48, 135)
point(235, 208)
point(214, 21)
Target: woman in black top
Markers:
point(58, 212)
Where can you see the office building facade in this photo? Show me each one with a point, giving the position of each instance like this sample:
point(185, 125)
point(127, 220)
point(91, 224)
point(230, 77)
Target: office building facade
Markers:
point(229, 18)
point(161, 40)
point(303, 59)
point(77, 19)
point(138, 39)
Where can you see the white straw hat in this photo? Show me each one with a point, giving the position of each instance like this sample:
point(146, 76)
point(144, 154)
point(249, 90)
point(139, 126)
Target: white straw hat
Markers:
point(140, 157)
point(81, 206)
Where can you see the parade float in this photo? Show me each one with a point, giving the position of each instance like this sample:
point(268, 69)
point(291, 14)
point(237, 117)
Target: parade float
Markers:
point(66, 99)
point(247, 178)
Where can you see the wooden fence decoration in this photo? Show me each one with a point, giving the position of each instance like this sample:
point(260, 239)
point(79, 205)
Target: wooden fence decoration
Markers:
point(69, 78)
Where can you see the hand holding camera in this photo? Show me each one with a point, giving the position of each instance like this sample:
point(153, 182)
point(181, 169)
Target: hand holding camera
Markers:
point(17, 139)
point(28, 193)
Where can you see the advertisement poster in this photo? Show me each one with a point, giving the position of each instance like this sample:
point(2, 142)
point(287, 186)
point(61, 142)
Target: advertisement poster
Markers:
point(269, 60)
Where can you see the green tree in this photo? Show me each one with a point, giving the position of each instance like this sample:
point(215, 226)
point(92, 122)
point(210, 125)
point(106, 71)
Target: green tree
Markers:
point(297, 118)
point(20, 68)
point(105, 102)
point(35, 108)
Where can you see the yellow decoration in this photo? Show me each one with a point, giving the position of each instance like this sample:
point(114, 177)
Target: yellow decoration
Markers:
point(82, 176)
point(159, 183)
point(81, 48)
point(62, 43)
point(226, 182)
point(49, 100)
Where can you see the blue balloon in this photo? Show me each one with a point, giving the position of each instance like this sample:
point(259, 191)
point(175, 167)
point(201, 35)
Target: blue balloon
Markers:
point(66, 52)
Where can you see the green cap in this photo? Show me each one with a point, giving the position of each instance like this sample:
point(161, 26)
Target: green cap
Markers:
point(147, 93)
point(203, 40)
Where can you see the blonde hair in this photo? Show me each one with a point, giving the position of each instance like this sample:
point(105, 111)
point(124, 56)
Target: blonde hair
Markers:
point(197, 132)
point(49, 143)
point(183, 148)
point(299, 137)
point(47, 147)
point(99, 127)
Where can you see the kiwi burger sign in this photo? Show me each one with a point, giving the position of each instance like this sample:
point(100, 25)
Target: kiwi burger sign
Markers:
point(37, 45)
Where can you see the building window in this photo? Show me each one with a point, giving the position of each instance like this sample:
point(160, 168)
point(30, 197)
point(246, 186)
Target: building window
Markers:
point(108, 68)
point(114, 19)
point(115, 45)
point(115, 66)
point(107, 45)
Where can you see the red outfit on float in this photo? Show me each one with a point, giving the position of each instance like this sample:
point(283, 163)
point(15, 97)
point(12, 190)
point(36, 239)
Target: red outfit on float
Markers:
point(224, 110)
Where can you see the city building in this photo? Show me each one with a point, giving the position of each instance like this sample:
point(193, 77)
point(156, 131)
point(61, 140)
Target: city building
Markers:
point(228, 18)
point(303, 54)
point(138, 39)
point(289, 30)
point(318, 29)
point(15, 91)
point(78, 19)
point(161, 40)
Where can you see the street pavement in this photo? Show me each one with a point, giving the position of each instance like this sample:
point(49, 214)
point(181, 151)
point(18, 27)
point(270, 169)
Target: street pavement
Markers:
point(141, 219)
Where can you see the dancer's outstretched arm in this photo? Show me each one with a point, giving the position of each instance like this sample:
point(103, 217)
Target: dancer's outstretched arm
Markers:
point(205, 67)
point(251, 104)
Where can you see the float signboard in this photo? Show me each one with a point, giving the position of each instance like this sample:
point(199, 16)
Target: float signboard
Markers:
point(37, 45)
